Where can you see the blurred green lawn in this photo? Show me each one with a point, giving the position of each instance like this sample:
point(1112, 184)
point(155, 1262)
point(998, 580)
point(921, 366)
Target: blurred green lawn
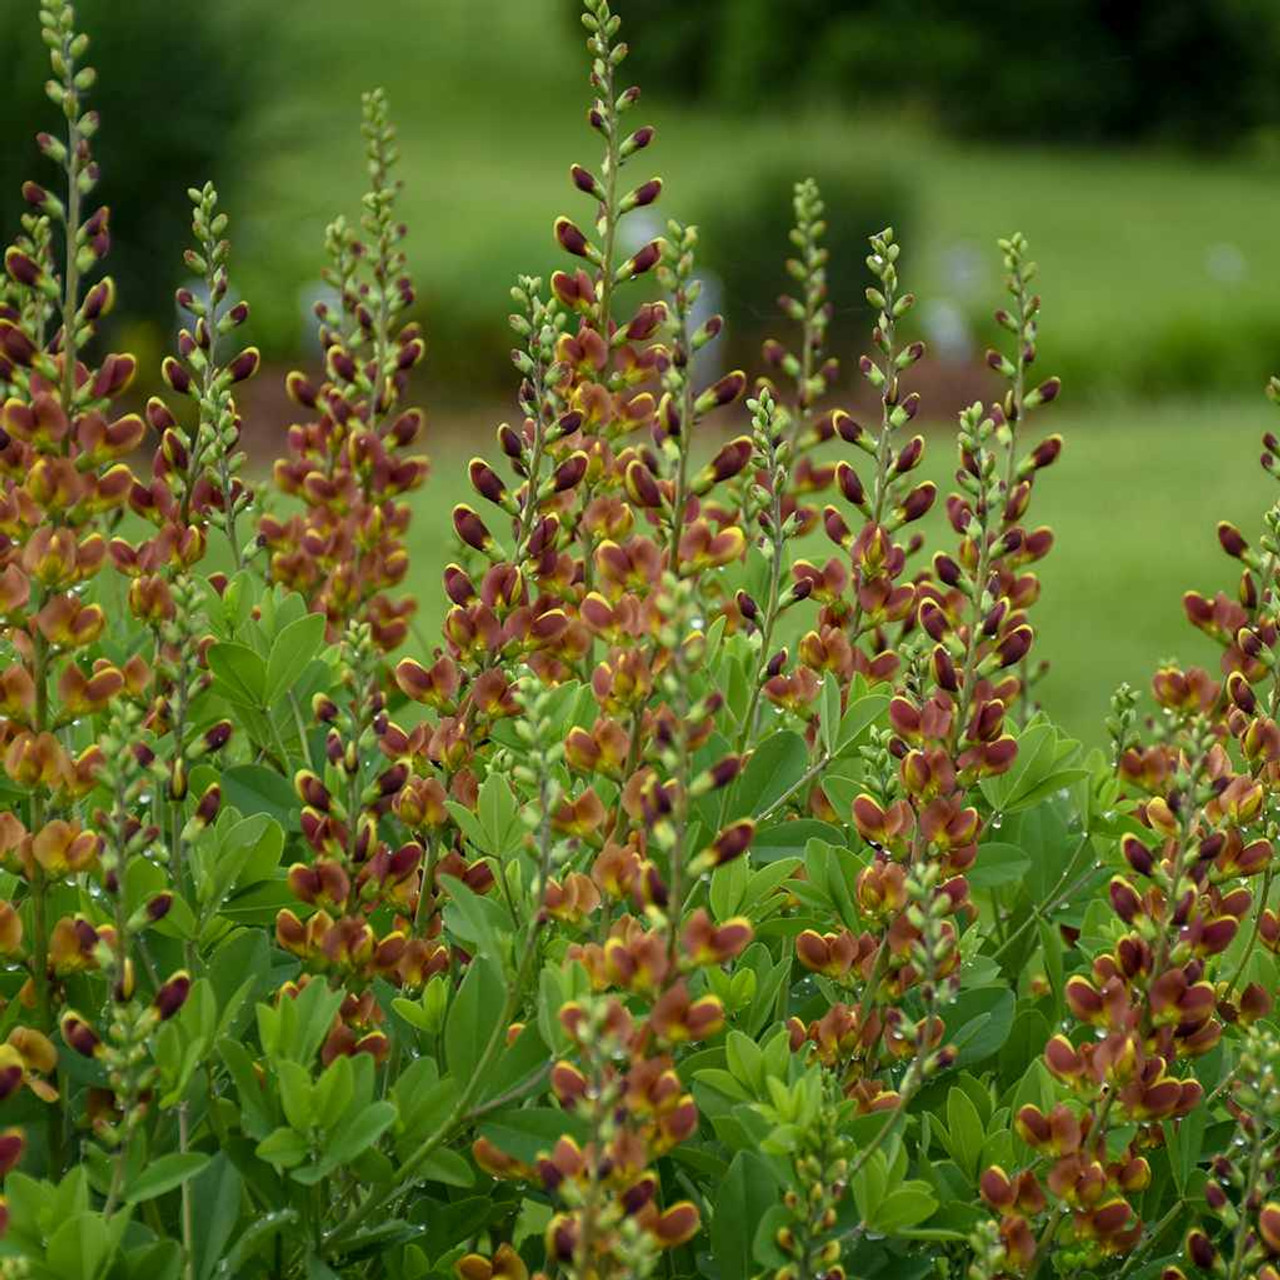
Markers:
point(1134, 501)
point(1147, 257)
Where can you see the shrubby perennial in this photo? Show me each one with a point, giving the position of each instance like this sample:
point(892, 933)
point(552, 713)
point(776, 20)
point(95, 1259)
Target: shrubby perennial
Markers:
point(711, 900)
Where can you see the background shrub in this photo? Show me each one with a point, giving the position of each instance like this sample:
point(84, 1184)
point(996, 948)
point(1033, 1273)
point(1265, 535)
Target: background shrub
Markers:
point(169, 131)
point(1079, 70)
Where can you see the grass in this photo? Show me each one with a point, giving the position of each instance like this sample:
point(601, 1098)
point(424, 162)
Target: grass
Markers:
point(1157, 272)
point(1158, 269)
point(1134, 502)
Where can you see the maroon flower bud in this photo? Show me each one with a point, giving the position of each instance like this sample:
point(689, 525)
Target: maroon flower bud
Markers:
point(510, 442)
point(645, 194)
point(79, 1035)
point(919, 500)
point(217, 736)
point(1200, 1250)
point(16, 345)
point(848, 430)
point(645, 260)
point(1138, 856)
point(470, 528)
point(208, 805)
point(245, 365)
point(732, 459)
point(1046, 452)
point(837, 530)
point(1125, 901)
point(724, 771)
point(391, 780)
point(638, 140)
point(733, 841)
point(486, 481)
point(909, 455)
point(301, 390)
point(457, 585)
point(1013, 647)
point(570, 472)
point(641, 485)
point(776, 664)
point(948, 571)
point(172, 995)
point(747, 606)
point(571, 238)
point(1232, 540)
point(24, 270)
point(724, 391)
point(158, 906)
point(1044, 393)
point(99, 300)
point(176, 376)
point(850, 484)
point(585, 181)
point(944, 671)
point(934, 620)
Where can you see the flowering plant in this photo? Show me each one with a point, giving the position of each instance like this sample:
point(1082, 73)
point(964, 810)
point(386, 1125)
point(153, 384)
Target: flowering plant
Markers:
point(711, 899)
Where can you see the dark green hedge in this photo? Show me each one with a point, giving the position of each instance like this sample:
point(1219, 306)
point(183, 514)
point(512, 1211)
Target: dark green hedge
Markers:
point(1194, 71)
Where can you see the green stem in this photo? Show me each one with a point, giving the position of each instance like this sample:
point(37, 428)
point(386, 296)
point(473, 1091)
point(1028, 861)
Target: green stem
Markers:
point(813, 771)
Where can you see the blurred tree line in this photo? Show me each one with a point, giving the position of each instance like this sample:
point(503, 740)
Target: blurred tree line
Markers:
point(1197, 72)
point(176, 82)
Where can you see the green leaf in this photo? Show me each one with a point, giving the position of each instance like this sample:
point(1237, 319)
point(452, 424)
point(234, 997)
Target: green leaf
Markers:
point(908, 1204)
point(240, 675)
point(164, 1174)
point(764, 1240)
point(776, 765)
point(79, 1247)
point(978, 1022)
point(829, 714)
point(964, 1131)
point(217, 1191)
point(515, 1064)
point(1051, 948)
point(265, 837)
point(291, 653)
point(526, 1132)
point(253, 788)
point(728, 888)
point(285, 1148)
point(358, 1133)
point(998, 864)
point(295, 1094)
point(473, 1017)
point(255, 1111)
point(1029, 1035)
point(749, 1190)
point(448, 1167)
point(479, 922)
point(788, 839)
point(863, 712)
point(500, 816)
